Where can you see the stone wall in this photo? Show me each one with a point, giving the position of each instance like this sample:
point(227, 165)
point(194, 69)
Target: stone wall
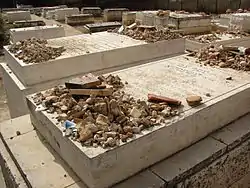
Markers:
point(213, 6)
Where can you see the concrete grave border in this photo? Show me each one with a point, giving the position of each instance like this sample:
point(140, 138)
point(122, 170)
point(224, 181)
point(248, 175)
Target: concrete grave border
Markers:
point(95, 165)
point(31, 74)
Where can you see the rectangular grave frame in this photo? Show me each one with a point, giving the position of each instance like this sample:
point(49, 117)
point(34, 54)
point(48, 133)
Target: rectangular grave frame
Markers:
point(182, 22)
point(194, 45)
point(43, 32)
point(30, 74)
point(95, 169)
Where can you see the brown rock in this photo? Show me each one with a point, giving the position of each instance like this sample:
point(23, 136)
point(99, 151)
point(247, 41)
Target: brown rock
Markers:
point(84, 135)
point(111, 142)
point(111, 134)
point(101, 108)
point(194, 100)
point(127, 129)
point(136, 130)
point(114, 108)
point(85, 82)
point(102, 122)
point(135, 113)
point(222, 65)
point(92, 127)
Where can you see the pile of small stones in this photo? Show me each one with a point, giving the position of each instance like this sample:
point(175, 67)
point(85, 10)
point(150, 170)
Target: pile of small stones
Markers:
point(151, 35)
point(35, 50)
point(104, 121)
point(203, 38)
point(163, 13)
point(217, 56)
point(229, 11)
point(208, 38)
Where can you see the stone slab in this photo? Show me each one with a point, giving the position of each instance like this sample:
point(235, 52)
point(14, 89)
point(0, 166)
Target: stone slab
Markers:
point(234, 134)
point(220, 154)
point(194, 45)
point(86, 59)
point(128, 18)
point(42, 163)
point(43, 32)
point(224, 19)
point(224, 171)
point(16, 90)
point(46, 9)
point(182, 21)
point(240, 21)
point(95, 11)
point(4, 10)
point(183, 78)
point(188, 161)
point(99, 27)
point(18, 16)
point(61, 13)
point(78, 19)
point(12, 176)
point(10, 127)
point(113, 14)
point(28, 23)
point(145, 17)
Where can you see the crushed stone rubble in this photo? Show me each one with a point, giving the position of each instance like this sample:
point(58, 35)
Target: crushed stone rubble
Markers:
point(149, 34)
point(35, 50)
point(215, 36)
point(103, 121)
point(230, 11)
point(224, 57)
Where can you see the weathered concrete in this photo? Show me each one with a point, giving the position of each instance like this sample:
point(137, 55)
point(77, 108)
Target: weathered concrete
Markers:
point(104, 26)
point(194, 45)
point(161, 22)
point(46, 9)
point(114, 14)
point(28, 23)
point(97, 164)
point(43, 32)
point(240, 21)
point(4, 10)
point(196, 22)
point(225, 19)
point(2, 182)
point(83, 60)
point(95, 11)
point(61, 13)
point(18, 16)
point(184, 165)
point(209, 163)
point(79, 19)
point(146, 17)
point(69, 30)
point(128, 18)
point(16, 89)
